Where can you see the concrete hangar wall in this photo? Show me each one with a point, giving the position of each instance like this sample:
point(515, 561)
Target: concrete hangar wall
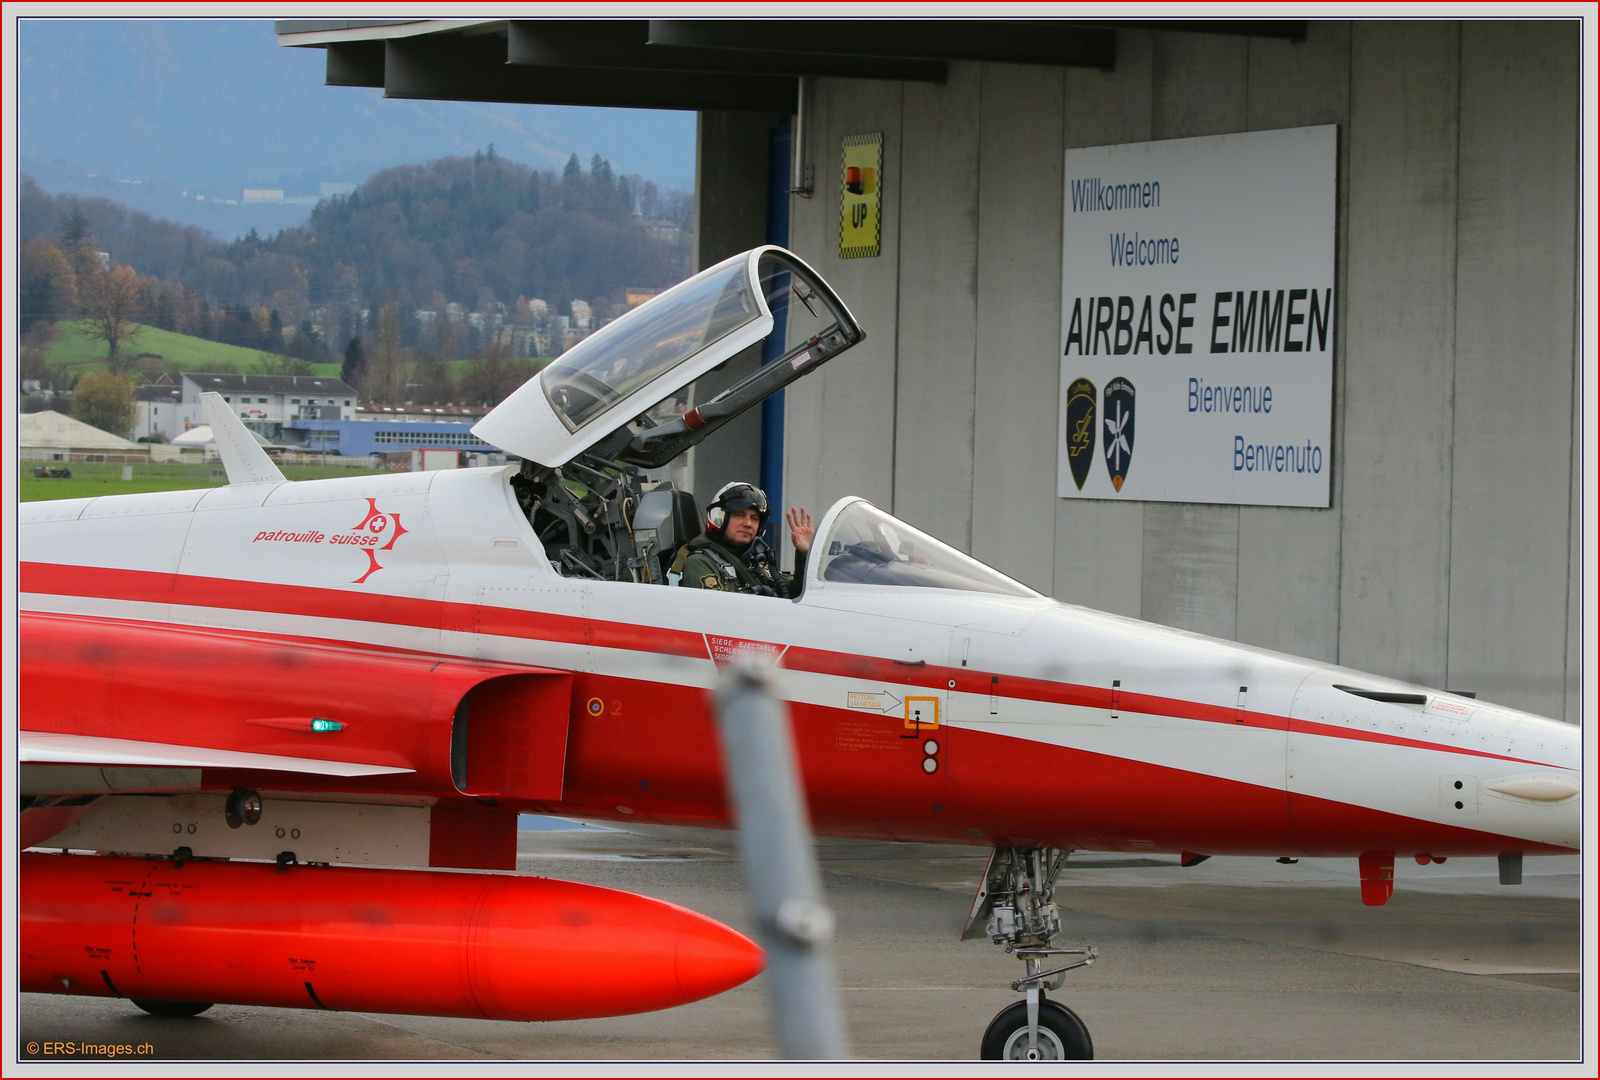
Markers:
point(1450, 553)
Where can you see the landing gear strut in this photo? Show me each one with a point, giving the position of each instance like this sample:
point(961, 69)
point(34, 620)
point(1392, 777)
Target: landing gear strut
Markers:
point(1015, 908)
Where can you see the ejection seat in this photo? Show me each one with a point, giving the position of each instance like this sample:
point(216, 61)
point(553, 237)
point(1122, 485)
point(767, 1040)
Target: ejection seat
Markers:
point(666, 520)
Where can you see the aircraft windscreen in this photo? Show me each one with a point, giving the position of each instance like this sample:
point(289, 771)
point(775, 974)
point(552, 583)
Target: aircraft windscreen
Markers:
point(605, 368)
point(866, 546)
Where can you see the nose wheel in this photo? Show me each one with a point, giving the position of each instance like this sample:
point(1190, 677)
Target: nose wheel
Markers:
point(1015, 908)
point(1056, 1034)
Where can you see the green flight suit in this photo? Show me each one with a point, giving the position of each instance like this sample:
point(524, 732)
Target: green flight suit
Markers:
point(704, 563)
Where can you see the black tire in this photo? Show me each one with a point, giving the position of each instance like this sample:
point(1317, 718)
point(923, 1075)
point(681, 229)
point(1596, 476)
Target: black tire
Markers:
point(190, 1008)
point(1062, 1036)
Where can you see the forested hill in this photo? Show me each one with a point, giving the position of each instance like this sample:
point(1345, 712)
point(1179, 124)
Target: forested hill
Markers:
point(480, 232)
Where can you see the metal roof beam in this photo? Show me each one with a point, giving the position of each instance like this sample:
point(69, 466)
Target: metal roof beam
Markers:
point(1019, 41)
point(455, 68)
point(315, 33)
point(1284, 29)
point(624, 43)
point(355, 63)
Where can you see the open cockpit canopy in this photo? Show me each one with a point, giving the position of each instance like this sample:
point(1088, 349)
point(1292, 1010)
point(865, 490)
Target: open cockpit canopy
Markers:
point(622, 391)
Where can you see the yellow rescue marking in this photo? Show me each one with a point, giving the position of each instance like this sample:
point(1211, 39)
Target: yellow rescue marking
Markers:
point(922, 712)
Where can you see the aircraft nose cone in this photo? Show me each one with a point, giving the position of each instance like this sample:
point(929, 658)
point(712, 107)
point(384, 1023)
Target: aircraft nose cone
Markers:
point(712, 958)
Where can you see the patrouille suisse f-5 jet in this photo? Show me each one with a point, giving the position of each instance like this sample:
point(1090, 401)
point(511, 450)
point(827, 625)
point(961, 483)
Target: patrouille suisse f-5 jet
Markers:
point(225, 689)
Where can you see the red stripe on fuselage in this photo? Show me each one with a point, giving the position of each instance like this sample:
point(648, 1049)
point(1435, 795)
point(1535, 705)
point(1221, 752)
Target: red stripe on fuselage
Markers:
point(189, 590)
point(657, 758)
point(652, 748)
point(153, 587)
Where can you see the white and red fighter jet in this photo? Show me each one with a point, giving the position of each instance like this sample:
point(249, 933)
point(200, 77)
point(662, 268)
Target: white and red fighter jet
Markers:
point(389, 668)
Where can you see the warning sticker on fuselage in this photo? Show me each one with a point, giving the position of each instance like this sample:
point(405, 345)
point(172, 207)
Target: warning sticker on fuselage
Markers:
point(1450, 710)
point(725, 650)
point(875, 702)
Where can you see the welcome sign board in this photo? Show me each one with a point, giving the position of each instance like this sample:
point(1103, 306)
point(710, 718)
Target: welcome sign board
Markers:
point(1197, 328)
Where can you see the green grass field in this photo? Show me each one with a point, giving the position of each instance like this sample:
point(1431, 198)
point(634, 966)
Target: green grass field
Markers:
point(178, 352)
point(90, 479)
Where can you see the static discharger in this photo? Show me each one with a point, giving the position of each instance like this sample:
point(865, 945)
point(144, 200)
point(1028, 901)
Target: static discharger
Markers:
point(482, 946)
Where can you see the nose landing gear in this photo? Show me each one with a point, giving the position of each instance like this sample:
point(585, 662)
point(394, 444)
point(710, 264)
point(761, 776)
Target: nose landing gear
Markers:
point(1015, 908)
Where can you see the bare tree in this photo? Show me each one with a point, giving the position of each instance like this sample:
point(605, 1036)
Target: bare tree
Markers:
point(492, 377)
point(111, 300)
point(387, 364)
point(434, 382)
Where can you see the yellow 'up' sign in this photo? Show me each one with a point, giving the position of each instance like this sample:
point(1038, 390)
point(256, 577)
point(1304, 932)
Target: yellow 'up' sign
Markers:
point(861, 197)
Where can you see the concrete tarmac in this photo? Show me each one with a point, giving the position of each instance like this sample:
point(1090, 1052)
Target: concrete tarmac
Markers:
point(1234, 959)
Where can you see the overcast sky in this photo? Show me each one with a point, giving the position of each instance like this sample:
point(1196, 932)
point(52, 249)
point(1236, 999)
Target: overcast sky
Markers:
point(217, 104)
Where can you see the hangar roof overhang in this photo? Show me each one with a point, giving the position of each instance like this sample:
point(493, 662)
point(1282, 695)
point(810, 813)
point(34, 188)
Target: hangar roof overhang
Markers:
point(734, 64)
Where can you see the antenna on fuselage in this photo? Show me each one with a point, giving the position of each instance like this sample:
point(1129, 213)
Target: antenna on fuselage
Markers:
point(242, 456)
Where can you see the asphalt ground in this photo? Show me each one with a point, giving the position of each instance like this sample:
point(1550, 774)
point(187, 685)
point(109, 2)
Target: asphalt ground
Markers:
point(1231, 960)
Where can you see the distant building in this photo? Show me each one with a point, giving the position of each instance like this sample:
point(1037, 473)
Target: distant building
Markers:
point(530, 341)
point(635, 297)
point(269, 403)
point(262, 195)
point(662, 229)
point(159, 410)
point(386, 429)
point(409, 412)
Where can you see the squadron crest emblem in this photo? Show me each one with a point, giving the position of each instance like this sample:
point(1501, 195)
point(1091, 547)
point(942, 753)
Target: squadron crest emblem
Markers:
point(1080, 429)
point(1118, 434)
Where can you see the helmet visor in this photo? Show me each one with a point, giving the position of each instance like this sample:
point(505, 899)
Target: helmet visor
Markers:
point(744, 497)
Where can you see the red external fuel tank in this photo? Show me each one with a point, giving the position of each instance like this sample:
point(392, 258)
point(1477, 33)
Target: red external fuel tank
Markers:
point(421, 942)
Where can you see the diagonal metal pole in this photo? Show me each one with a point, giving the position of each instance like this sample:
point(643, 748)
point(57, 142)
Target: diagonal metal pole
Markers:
point(780, 865)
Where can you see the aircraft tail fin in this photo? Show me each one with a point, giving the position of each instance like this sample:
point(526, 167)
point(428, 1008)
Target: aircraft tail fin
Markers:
point(242, 456)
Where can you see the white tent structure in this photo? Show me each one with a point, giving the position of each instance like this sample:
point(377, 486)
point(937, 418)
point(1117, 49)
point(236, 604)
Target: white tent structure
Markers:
point(51, 430)
point(201, 436)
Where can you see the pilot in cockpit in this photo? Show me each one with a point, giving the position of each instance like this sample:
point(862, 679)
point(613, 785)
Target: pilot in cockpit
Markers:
point(731, 554)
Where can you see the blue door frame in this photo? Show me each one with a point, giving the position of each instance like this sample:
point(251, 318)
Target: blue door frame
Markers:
point(777, 233)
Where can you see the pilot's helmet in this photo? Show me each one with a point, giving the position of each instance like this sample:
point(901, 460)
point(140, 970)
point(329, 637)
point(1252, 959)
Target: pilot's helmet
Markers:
point(732, 498)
